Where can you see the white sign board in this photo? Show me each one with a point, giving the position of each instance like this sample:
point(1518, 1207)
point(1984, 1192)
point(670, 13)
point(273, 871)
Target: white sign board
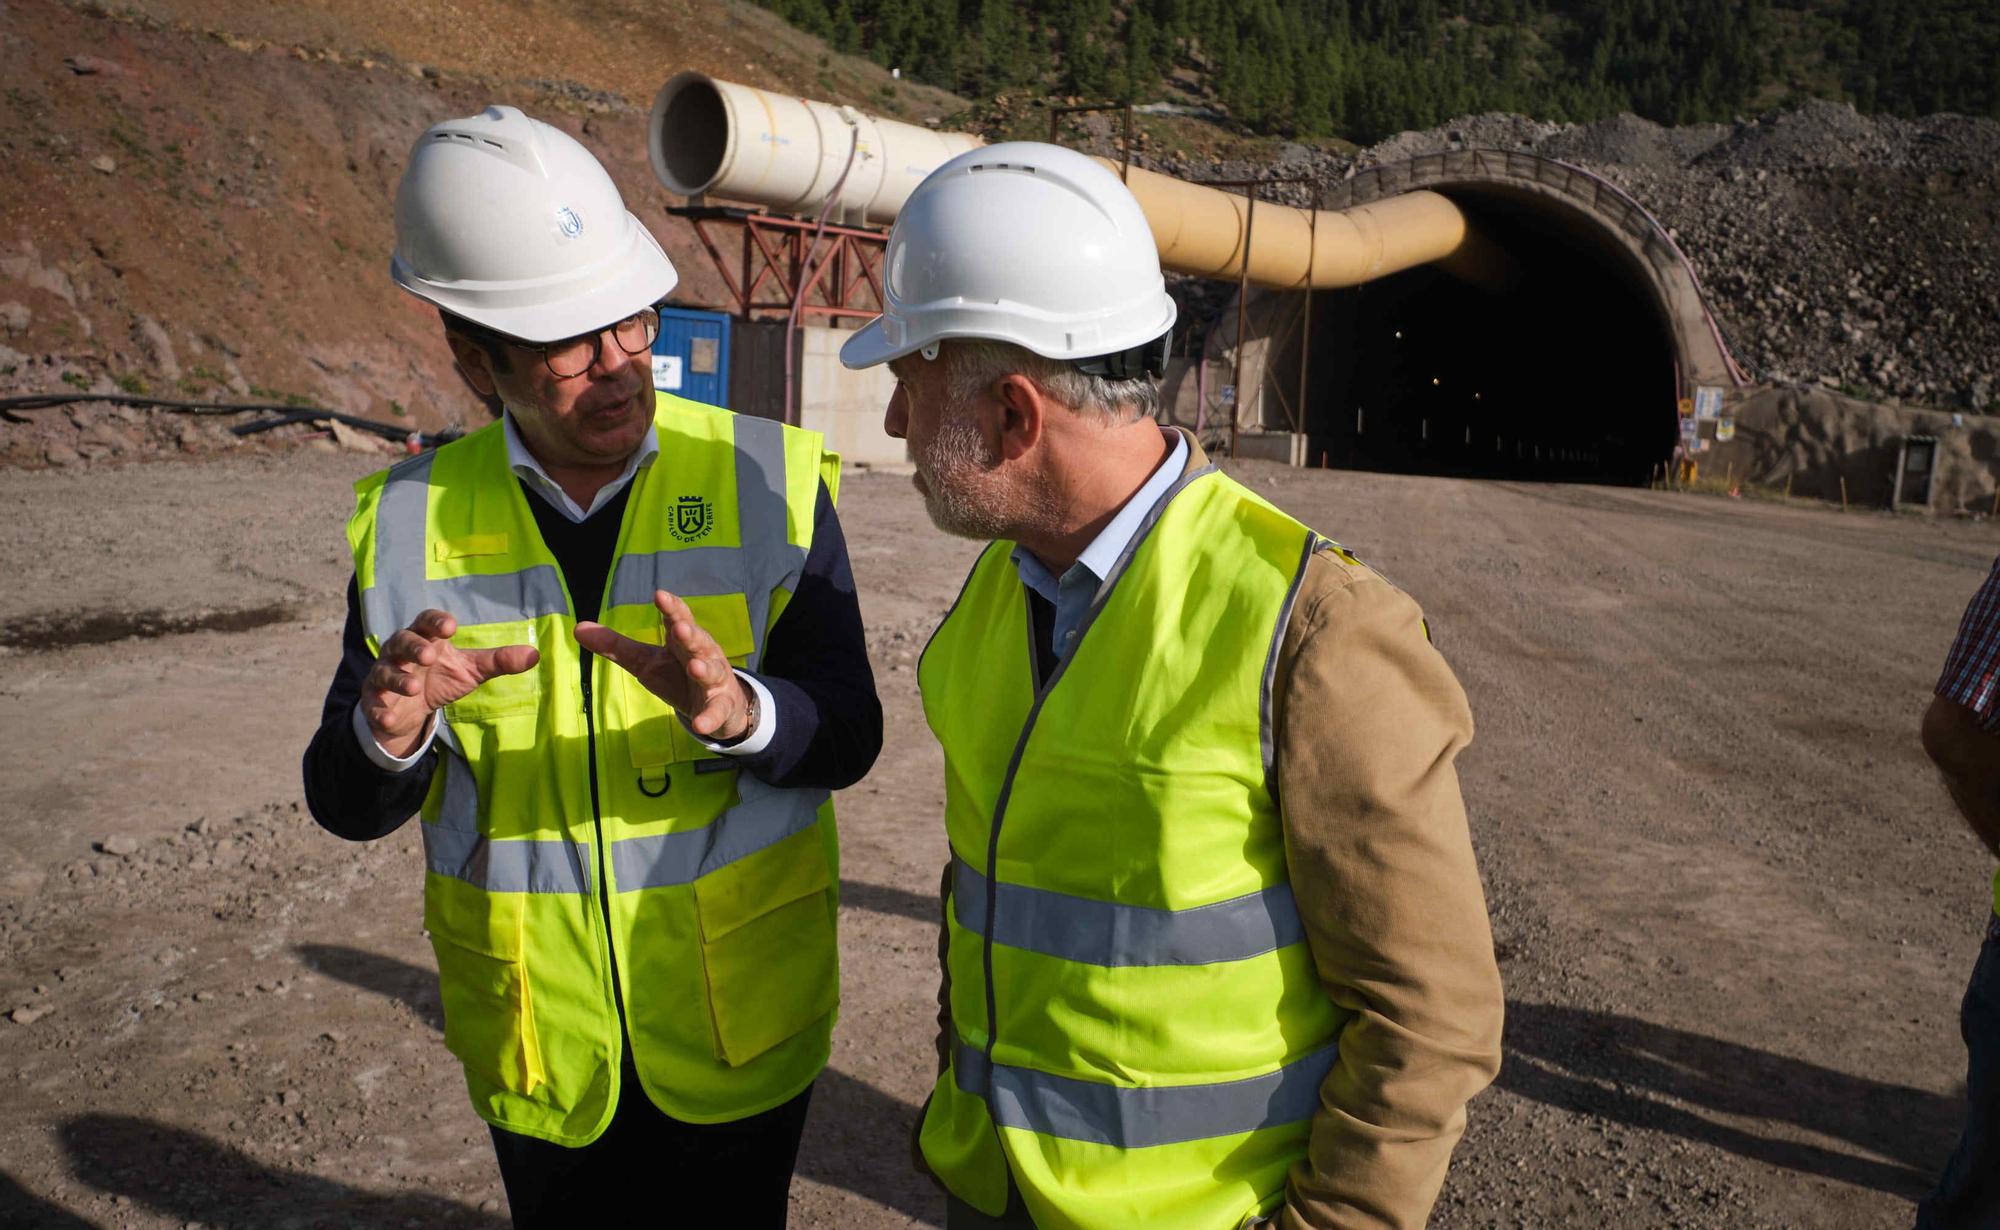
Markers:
point(667, 372)
point(1707, 402)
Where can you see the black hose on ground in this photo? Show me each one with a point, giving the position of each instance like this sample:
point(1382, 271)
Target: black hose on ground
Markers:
point(287, 414)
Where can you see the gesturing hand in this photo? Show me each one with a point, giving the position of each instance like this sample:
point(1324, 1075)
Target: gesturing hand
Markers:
point(420, 671)
point(689, 672)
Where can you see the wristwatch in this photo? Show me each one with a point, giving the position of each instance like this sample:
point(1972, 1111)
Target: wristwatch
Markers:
point(752, 712)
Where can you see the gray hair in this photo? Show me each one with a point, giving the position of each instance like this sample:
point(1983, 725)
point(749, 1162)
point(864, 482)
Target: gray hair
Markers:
point(974, 365)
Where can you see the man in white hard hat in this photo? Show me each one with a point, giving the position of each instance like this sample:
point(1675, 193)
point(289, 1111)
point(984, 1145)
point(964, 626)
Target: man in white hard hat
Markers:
point(608, 647)
point(1215, 948)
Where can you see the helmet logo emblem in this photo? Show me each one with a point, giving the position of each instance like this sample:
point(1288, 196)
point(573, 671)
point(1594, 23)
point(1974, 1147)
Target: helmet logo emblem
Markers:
point(568, 222)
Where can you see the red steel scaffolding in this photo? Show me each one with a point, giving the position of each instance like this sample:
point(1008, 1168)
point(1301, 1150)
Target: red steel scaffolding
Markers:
point(764, 274)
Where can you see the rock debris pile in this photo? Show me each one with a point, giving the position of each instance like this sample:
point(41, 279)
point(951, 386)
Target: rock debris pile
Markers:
point(1856, 252)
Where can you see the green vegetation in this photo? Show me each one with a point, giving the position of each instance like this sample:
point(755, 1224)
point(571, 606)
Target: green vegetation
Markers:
point(133, 383)
point(76, 379)
point(1363, 69)
point(298, 401)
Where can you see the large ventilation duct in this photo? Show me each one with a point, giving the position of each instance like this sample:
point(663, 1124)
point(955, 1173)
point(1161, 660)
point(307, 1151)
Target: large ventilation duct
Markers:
point(719, 138)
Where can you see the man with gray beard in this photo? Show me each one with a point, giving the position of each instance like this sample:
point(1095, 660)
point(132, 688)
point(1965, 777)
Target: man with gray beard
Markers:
point(1215, 948)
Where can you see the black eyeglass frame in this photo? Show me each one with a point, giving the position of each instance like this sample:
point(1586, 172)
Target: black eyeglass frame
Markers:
point(596, 339)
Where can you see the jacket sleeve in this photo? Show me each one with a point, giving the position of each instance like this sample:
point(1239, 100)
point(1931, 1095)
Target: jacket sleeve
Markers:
point(349, 794)
point(1368, 719)
point(829, 721)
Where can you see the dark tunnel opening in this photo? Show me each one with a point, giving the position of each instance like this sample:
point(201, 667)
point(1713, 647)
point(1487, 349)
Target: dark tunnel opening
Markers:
point(1566, 375)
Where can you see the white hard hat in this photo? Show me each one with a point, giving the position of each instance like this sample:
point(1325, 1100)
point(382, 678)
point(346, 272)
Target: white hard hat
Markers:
point(1026, 243)
point(509, 223)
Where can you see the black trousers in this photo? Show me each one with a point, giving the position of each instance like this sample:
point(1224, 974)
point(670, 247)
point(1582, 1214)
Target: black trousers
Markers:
point(689, 1174)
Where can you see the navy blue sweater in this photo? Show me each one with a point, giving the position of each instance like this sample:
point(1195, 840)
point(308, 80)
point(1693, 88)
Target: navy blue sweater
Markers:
point(829, 721)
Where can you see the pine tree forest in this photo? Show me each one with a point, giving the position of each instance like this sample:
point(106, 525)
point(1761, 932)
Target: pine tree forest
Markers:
point(1362, 69)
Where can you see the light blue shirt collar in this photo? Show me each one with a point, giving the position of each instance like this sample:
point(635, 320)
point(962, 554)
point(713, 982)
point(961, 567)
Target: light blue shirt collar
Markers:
point(1071, 594)
point(524, 465)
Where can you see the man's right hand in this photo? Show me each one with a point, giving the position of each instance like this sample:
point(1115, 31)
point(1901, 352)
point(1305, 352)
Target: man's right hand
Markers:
point(420, 672)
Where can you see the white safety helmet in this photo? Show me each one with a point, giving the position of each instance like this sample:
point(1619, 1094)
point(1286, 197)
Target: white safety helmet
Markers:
point(509, 223)
point(1025, 243)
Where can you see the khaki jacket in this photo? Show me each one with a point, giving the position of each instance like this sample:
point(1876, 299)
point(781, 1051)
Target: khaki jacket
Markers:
point(1368, 720)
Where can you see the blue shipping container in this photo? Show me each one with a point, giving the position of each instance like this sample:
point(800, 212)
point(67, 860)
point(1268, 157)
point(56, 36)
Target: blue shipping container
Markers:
point(691, 355)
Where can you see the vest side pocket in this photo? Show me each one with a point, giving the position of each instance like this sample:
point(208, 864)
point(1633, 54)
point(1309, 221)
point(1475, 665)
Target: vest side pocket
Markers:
point(489, 1021)
point(768, 950)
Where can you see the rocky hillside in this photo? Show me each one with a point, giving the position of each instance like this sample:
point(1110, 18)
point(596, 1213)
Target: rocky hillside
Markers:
point(196, 197)
point(1852, 251)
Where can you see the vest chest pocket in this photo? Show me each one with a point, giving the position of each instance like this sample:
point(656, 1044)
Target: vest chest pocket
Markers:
point(767, 945)
point(502, 695)
point(489, 1018)
point(653, 733)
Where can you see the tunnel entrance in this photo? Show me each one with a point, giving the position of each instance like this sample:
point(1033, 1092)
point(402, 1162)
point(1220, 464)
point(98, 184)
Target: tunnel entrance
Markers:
point(1568, 374)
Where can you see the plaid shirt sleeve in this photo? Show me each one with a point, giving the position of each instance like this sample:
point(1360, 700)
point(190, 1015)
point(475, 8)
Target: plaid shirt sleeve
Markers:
point(1972, 670)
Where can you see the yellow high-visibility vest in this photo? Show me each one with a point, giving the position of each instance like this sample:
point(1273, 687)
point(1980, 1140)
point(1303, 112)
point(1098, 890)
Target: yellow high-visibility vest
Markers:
point(1141, 1036)
point(583, 852)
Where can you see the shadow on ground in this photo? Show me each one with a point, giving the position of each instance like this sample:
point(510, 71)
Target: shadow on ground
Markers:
point(858, 1139)
point(881, 899)
point(1645, 1075)
point(189, 1178)
point(20, 1207)
point(410, 985)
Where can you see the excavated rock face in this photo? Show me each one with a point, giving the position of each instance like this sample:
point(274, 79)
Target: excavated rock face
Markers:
point(1858, 252)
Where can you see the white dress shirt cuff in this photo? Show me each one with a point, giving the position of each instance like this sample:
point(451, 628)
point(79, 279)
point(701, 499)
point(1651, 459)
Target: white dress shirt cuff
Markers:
point(760, 737)
point(384, 760)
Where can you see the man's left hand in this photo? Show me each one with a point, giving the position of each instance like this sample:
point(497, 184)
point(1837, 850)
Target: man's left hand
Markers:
point(689, 672)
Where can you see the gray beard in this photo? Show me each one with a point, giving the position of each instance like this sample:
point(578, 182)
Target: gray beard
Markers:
point(967, 499)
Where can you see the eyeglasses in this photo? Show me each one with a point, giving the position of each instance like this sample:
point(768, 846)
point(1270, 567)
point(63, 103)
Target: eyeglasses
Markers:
point(573, 356)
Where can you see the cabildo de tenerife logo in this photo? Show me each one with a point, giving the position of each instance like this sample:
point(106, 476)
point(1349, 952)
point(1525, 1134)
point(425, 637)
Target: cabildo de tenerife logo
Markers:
point(693, 518)
point(567, 222)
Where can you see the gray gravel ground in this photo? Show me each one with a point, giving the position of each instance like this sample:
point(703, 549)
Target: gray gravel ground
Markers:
point(1733, 909)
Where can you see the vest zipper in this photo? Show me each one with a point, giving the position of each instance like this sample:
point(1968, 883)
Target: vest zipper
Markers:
point(1042, 689)
point(603, 861)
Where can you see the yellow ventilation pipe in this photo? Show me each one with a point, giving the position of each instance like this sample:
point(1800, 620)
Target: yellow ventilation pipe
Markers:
point(718, 138)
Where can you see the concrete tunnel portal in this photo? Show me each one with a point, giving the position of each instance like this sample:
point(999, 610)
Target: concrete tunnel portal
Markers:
point(1566, 373)
point(1572, 369)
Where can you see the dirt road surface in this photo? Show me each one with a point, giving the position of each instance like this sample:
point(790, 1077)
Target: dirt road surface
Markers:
point(1733, 909)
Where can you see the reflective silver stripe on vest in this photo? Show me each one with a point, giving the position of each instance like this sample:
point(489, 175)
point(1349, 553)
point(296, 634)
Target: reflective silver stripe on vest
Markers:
point(762, 518)
point(515, 865)
point(691, 572)
point(402, 588)
point(1108, 933)
point(1139, 1118)
point(454, 847)
point(765, 560)
point(765, 816)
